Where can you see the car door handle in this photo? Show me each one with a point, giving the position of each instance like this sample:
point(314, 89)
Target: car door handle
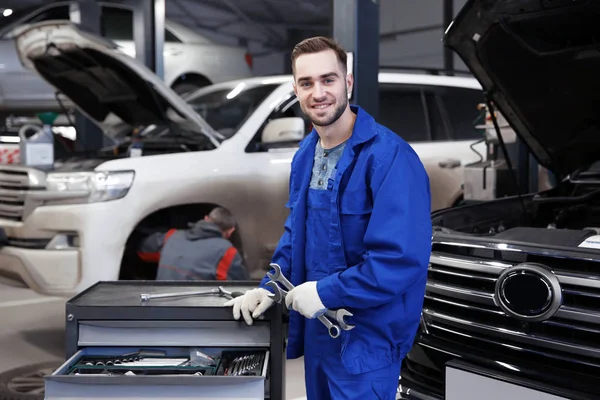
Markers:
point(174, 52)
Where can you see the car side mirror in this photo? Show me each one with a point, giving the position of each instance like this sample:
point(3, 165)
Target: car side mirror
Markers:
point(283, 130)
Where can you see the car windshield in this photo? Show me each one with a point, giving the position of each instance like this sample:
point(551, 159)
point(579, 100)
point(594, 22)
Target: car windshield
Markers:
point(226, 110)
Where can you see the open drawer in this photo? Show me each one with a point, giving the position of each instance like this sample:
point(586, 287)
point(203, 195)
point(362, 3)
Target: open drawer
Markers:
point(161, 373)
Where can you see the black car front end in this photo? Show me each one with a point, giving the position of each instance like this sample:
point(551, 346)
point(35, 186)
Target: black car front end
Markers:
point(513, 294)
point(424, 368)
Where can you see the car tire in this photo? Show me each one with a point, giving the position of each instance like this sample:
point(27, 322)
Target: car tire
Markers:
point(27, 382)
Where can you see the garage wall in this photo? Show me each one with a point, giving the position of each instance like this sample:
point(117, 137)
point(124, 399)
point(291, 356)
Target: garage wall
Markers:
point(269, 64)
point(412, 31)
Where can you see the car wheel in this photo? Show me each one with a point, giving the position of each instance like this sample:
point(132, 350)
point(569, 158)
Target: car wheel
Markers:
point(26, 383)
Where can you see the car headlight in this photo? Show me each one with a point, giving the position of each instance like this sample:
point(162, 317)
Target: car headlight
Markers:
point(87, 187)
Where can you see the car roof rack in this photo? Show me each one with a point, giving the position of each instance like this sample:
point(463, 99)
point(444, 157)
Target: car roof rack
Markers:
point(428, 70)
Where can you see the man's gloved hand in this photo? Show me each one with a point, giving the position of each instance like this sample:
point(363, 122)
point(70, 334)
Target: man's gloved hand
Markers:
point(305, 299)
point(251, 304)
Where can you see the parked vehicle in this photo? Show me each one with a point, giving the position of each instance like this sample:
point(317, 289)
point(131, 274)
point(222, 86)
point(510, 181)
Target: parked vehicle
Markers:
point(514, 283)
point(191, 60)
point(230, 144)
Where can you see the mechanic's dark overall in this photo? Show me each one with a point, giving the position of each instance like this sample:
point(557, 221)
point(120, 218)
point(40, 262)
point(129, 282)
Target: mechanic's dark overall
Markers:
point(198, 253)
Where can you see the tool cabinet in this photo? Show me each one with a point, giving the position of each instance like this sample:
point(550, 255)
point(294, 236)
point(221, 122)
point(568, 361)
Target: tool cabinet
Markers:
point(119, 347)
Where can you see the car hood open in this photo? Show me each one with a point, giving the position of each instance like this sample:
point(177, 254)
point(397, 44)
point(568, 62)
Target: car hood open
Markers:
point(108, 86)
point(539, 62)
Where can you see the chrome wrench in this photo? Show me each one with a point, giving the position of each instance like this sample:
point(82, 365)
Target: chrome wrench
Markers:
point(220, 291)
point(277, 276)
point(278, 295)
point(333, 330)
point(338, 315)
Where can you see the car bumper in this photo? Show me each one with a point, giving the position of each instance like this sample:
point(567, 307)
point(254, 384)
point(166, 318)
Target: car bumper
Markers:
point(51, 272)
point(407, 392)
point(39, 254)
point(423, 370)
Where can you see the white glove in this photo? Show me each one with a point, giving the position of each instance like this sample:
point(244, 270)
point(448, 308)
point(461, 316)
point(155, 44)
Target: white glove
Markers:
point(255, 301)
point(305, 299)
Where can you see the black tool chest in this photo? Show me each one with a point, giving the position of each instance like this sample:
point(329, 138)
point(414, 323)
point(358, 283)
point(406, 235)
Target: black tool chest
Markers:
point(119, 347)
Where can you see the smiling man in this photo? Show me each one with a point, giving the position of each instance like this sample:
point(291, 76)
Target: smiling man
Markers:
point(358, 237)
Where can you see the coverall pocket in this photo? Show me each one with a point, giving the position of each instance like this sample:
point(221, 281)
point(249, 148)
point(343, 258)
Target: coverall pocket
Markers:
point(355, 214)
point(356, 202)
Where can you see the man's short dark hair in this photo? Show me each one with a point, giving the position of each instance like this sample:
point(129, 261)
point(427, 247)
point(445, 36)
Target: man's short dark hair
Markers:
point(223, 218)
point(318, 44)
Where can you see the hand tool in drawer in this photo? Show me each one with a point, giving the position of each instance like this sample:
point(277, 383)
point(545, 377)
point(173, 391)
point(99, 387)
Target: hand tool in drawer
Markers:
point(246, 365)
point(116, 371)
point(145, 297)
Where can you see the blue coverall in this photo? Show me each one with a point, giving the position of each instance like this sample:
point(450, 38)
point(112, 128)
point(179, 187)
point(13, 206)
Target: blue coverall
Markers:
point(366, 240)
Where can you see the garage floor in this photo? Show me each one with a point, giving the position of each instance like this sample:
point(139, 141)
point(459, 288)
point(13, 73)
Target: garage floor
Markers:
point(32, 331)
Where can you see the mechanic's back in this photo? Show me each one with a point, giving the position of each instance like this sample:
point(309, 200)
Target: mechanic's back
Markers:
point(201, 252)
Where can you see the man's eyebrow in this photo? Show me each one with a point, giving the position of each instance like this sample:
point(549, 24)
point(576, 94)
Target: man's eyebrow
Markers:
point(327, 75)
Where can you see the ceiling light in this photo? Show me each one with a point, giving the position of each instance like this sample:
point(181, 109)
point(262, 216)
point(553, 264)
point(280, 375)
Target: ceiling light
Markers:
point(7, 12)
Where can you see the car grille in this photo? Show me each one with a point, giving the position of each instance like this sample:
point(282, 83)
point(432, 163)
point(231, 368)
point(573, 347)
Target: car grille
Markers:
point(460, 301)
point(421, 377)
point(15, 183)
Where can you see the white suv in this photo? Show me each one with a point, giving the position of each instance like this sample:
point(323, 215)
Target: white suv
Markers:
point(229, 144)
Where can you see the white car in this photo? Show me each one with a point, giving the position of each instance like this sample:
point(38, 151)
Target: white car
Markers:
point(191, 60)
point(229, 144)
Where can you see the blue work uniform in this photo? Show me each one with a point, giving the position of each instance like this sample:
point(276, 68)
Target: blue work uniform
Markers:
point(365, 236)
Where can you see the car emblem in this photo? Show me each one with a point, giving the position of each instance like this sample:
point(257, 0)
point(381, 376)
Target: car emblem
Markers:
point(529, 292)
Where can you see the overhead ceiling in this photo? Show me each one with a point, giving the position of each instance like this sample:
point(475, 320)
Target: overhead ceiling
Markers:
point(265, 22)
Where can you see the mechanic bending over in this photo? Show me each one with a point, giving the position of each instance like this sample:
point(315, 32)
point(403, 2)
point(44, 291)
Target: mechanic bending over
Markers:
point(201, 252)
point(358, 237)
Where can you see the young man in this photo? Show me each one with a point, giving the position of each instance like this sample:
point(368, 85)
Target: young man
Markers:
point(202, 252)
point(358, 237)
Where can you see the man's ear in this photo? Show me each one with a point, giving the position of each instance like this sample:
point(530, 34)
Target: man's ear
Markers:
point(350, 83)
point(229, 232)
point(295, 88)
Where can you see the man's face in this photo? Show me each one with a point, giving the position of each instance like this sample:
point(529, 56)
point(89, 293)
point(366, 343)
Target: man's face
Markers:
point(321, 86)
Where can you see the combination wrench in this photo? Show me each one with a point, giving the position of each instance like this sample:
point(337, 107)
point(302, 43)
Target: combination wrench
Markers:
point(279, 295)
point(219, 292)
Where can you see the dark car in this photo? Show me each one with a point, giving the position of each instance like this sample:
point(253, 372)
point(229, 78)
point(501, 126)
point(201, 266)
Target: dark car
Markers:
point(513, 295)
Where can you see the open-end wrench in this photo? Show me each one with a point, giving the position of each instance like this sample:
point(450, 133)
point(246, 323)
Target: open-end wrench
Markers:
point(220, 291)
point(279, 277)
point(339, 315)
point(280, 294)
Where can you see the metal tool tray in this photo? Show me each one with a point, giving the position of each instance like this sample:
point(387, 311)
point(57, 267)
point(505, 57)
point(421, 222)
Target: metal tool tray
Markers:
point(110, 319)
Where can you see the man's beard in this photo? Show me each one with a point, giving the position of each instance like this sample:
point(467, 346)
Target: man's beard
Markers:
point(328, 120)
